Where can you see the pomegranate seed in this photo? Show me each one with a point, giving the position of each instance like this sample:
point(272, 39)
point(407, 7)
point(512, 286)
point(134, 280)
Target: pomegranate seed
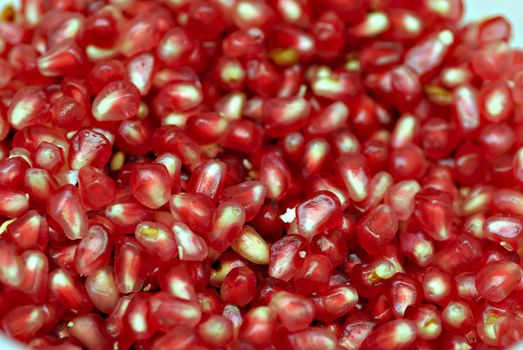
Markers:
point(125, 213)
point(294, 311)
point(397, 334)
point(138, 317)
point(150, 185)
point(63, 59)
point(321, 212)
point(11, 267)
point(427, 320)
point(101, 288)
point(434, 212)
point(229, 219)
point(191, 247)
point(23, 322)
point(286, 256)
point(96, 189)
point(87, 329)
point(117, 101)
point(208, 179)
point(29, 231)
point(216, 331)
point(93, 251)
point(129, 259)
point(157, 239)
point(193, 209)
point(29, 106)
point(89, 147)
point(66, 289)
point(65, 208)
point(496, 281)
point(438, 286)
point(354, 171)
point(251, 246)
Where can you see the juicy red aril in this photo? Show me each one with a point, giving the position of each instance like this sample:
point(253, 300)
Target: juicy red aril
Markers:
point(287, 174)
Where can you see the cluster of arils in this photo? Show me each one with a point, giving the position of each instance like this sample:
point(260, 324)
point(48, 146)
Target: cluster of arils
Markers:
point(259, 174)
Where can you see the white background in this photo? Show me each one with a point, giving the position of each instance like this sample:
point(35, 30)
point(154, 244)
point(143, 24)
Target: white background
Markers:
point(513, 9)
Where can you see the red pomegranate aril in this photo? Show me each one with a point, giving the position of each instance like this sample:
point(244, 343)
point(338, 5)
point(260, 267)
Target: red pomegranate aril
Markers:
point(177, 339)
point(104, 73)
point(134, 137)
point(216, 331)
point(117, 101)
point(23, 322)
point(150, 185)
point(286, 256)
point(67, 113)
point(434, 211)
point(275, 175)
point(101, 288)
point(49, 157)
point(29, 231)
point(397, 334)
point(206, 128)
point(191, 247)
point(29, 106)
point(228, 221)
point(168, 312)
point(194, 209)
point(402, 292)
point(334, 302)
point(93, 251)
point(354, 171)
point(67, 290)
point(66, 209)
point(114, 325)
point(294, 311)
point(497, 280)
point(491, 60)
point(377, 228)
point(175, 47)
point(96, 188)
point(128, 261)
point(87, 329)
point(496, 104)
point(243, 136)
point(11, 265)
point(125, 213)
point(140, 72)
point(63, 59)
point(138, 317)
point(313, 275)
point(457, 317)
point(428, 55)
point(157, 239)
point(312, 337)
point(332, 244)
point(208, 179)
point(319, 213)
point(438, 287)
point(89, 147)
point(239, 286)
point(177, 282)
point(427, 320)
point(507, 231)
point(258, 325)
point(12, 172)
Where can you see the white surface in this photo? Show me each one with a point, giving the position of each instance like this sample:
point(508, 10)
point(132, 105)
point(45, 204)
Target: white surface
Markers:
point(513, 9)
point(475, 9)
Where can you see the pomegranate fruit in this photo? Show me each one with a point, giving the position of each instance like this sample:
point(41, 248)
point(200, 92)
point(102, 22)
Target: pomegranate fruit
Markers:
point(259, 174)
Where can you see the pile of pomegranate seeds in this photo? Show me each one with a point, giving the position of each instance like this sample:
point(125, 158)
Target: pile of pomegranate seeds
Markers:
point(259, 174)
